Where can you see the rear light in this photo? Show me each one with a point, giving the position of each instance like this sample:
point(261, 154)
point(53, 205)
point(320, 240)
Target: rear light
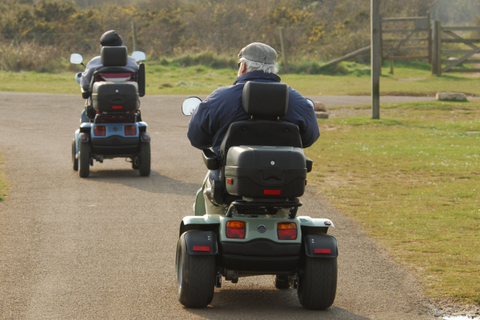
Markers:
point(130, 130)
point(117, 107)
point(322, 251)
point(115, 119)
point(100, 131)
point(236, 229)
point(287, 231)
point(229, 181)
point(201, 248)
point(272, 192)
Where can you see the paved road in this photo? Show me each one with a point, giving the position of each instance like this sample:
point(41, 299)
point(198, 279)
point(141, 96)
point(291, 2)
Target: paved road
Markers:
point(104, 247)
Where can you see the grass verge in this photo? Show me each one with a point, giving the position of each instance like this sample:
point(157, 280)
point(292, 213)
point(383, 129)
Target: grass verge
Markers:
point(178, 77)
point(412, 180)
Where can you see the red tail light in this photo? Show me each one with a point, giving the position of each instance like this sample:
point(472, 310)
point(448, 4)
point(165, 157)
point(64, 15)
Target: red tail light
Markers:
point(130, 130)
point(100, 131)
point(236, 229)
point(201, 248)
point(272, 192)
point(322, 251)
point(287, 231)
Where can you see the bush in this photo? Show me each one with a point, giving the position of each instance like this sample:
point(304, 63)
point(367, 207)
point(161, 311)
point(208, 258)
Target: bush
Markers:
point(31, 57)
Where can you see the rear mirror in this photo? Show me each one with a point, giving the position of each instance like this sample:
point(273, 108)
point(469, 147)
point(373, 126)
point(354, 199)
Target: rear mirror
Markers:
point(189, 105)
point(139, 56)
point(311, 103)
point(76, 58)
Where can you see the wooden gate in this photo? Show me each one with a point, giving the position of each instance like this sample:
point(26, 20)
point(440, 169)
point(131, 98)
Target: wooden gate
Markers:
point(452, 48)
point(407, 38)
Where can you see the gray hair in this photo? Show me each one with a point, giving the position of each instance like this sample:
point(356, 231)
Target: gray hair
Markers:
point(257, 66)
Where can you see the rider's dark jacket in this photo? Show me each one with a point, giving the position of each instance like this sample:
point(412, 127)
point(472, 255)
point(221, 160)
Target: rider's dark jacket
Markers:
point(210, 121)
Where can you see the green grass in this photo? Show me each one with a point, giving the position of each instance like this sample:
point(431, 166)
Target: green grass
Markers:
point(412, 180)
point(3, 182)
point(175, 78)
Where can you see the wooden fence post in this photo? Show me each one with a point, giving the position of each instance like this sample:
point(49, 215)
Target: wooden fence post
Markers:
point(375, 57)
point(284, 49)
point(134, 36)
point(434, 48)
point(437, 48)
point(429, 39)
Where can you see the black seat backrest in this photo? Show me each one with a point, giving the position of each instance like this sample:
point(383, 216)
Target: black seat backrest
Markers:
point(114, 61)
point(114, 56)
point(265, 102)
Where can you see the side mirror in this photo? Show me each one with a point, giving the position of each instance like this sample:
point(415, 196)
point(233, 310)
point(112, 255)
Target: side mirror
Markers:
point(189, 105)
point(76, 58)
point(139, 56)
point(311, 103)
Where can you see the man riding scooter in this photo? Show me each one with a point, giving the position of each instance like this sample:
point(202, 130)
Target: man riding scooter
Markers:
point(108, 39)
point(210, 121)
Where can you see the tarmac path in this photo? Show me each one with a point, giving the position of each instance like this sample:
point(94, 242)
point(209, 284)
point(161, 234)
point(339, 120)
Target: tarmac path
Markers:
point(104, 247)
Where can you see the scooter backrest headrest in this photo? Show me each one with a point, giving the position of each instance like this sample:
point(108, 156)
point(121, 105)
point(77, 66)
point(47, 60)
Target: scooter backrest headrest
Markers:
point(114, 56)
point(265, 99)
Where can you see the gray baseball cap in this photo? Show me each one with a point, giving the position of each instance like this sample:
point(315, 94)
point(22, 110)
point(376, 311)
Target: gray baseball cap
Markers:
point(259, 52)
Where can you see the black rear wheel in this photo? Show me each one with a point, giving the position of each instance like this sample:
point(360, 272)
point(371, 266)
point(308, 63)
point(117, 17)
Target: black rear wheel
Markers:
point(317, 283)
point(84, 159)
point(74, 153)
point(144, 157)
point(195, 277)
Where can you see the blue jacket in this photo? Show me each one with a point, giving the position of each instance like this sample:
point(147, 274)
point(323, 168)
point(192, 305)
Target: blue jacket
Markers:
point(211, 119)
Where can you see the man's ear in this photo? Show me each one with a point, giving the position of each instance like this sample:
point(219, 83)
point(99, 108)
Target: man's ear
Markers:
point(243, 69)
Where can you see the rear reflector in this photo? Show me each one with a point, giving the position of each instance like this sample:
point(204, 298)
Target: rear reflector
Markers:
point(201, 248)
point(229, 181)
point(130, 130)
point(287, 231)
point(272, 192)
point(100, 131)
point(322, 251)
point(235, 229)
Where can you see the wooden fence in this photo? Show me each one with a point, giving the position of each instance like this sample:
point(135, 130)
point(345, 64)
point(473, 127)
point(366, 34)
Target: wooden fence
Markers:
point(452, 48)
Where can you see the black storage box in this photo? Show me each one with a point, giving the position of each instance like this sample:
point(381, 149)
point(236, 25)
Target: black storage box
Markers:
point(115, 97)
point(265, 172)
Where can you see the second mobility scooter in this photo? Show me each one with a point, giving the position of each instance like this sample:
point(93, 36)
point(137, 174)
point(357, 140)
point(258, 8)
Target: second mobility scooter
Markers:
point(111, 124)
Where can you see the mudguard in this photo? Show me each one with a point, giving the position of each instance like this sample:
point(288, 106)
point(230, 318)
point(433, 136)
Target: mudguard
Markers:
point(205, 222)
point(307, 221)
point(145, 137)
point(320, 246)
point(83, 137)
point(201, 242)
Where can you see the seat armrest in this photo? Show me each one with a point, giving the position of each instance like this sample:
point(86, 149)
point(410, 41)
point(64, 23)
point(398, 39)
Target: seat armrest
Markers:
point(309, 164)
point(211, 160)
point(85, 93)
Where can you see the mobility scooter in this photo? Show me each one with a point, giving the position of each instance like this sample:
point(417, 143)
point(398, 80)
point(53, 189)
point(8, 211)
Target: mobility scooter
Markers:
point(263, 172)
point(111, 124)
